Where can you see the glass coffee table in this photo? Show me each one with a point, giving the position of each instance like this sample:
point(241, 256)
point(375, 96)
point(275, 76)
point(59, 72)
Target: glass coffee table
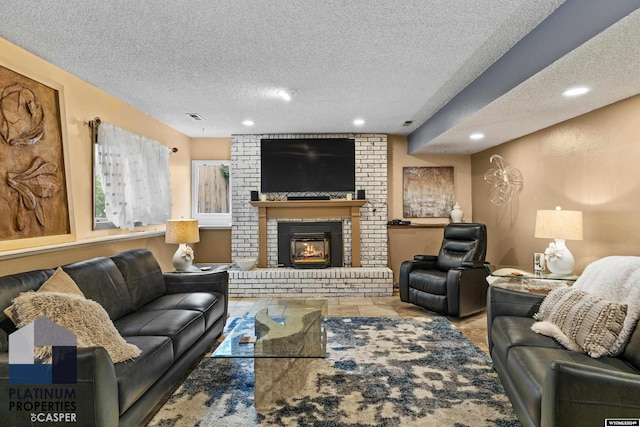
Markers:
point(284, 337)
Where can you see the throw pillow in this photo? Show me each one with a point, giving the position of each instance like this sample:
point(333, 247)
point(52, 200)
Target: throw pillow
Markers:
point(580, 321)
point(59, 281)
point(86, 318)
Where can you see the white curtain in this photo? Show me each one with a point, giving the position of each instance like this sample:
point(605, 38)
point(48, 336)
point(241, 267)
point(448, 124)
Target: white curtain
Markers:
point(135, 177)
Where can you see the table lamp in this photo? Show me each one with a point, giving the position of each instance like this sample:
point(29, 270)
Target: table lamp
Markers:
point(182, 231)
point(559, 225)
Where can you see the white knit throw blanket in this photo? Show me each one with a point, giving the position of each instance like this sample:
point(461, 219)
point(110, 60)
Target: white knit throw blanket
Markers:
point(617, 279)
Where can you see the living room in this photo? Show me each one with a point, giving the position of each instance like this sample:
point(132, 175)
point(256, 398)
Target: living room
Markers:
point(585, 163)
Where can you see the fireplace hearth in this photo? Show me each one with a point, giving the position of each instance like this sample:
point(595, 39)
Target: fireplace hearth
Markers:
point(310, 250)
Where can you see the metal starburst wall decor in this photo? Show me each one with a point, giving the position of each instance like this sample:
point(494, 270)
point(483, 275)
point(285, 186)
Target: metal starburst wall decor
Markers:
point(505, 181)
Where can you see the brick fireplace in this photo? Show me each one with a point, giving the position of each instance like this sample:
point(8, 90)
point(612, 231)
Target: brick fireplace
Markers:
point(367, 275)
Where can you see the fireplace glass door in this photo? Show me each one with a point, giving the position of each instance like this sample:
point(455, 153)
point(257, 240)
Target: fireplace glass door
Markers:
point(310, 250)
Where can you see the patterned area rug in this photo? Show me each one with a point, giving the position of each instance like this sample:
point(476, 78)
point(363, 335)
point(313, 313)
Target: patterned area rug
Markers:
point(379, 372)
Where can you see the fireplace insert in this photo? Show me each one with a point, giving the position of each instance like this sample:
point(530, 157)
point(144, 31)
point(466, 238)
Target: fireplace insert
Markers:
point(334, 251)
point(310, 250)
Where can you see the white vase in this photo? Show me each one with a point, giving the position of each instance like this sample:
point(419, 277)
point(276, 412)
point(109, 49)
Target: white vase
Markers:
point(456, 213)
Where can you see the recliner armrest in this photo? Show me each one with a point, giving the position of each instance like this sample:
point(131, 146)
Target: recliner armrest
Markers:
point(475, 264)
point(430, 258)
point(581, 395)
point(427, 263)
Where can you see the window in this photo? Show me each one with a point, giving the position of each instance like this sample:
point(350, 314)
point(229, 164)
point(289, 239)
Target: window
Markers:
point(211, 192)
point(131, 180)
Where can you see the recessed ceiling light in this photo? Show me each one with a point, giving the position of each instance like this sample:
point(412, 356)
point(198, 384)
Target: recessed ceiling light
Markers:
point(285, 94)
point(248, 123)
point(358, 122)
point(575, 91)
point(476, 136)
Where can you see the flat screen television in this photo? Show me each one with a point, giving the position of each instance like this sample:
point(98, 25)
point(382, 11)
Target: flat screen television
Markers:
point(308, 165)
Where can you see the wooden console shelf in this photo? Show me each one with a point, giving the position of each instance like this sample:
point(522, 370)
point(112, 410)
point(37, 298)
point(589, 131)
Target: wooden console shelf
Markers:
point(341, 208)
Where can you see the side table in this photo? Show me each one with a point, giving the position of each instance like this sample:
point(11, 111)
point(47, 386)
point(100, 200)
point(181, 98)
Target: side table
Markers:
point(202, 268)
point(214, 279)
point(525, 281)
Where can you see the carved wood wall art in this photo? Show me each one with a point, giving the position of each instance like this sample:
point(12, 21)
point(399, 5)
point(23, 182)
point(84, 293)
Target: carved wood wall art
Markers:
point(33, 191)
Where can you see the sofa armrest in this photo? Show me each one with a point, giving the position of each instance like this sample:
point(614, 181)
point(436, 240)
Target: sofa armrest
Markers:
point(206, 282)
point(580, 395)
point(507, 302)
point(93, 399)
point(96, 388)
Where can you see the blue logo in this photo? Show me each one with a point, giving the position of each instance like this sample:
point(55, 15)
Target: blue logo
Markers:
point(23, 368)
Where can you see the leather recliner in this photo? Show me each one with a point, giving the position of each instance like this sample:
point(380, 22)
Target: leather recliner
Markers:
point(453, 282)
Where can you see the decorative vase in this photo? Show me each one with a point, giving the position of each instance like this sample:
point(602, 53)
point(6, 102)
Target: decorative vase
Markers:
point(456, 213)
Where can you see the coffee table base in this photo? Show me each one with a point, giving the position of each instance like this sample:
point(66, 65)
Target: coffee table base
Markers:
point(278, 378)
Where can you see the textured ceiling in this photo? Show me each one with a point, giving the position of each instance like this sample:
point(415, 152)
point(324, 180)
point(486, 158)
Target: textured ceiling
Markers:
point(383, 61)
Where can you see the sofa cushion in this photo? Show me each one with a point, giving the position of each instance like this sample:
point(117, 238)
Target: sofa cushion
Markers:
point(581, 321)
point(136, 376)
point(527, 367)
point(142, 274)
point(85, 318)
point(60, 281)
point(211, 305)
point(101, 281)
point(513, 331)
point(183, 327)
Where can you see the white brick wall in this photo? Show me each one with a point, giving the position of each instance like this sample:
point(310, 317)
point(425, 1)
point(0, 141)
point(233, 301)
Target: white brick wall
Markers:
point(328, 282)
point(371, 176)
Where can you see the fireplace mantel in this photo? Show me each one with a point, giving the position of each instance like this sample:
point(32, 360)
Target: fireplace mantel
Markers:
point(340, 208)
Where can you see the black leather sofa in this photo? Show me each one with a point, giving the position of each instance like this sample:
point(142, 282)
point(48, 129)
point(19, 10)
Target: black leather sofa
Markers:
point(172, 318)
point(549, 385)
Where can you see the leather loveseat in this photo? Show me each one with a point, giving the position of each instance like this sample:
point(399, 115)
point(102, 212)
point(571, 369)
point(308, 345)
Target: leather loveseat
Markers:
point(172, 318)
point(549, 385)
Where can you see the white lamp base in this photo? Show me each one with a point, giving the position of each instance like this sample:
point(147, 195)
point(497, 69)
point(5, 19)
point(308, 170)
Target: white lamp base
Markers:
point(559, 259)
point(182, 263)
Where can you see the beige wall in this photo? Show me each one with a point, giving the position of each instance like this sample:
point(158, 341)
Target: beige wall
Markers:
point(215, 243)
point(589, 163)
point(406, 242)
point(82, 102)
point(398, 159)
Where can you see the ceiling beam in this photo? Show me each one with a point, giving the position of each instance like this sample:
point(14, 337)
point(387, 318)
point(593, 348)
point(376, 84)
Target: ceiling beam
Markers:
point(568, 27)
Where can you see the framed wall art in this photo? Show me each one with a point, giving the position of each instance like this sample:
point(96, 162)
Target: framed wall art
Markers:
point(35, 200)
point(428, 192)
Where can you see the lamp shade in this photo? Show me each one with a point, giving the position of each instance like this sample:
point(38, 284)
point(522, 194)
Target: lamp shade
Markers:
point(182, 231)
point(559, 224)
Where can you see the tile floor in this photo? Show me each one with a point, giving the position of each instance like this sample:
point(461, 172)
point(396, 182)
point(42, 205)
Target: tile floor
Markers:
point(474, 326)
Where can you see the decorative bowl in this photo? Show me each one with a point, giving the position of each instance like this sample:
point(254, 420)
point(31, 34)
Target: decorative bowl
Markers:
point(245, 264)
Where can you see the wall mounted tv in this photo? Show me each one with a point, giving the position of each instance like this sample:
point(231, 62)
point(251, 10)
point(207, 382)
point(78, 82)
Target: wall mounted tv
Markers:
point(308, 165)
